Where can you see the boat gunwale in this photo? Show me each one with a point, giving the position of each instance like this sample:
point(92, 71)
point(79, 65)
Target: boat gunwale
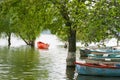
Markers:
point(97, 65)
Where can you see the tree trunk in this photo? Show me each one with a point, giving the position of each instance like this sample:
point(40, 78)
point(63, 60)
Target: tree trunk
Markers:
point(118, 42)
point(70, 72)
point(32, 43)
point(71, 58)
point(9, 40)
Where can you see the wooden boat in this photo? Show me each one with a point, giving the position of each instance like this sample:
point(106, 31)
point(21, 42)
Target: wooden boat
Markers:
point(105, 55)
point(42, 45)
point(85, 52)
point(97, 69)
point(101, 51)
point(109, 57)
point(105, 61)
point(84, 77)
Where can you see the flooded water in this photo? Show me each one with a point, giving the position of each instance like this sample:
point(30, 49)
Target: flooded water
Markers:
point(25, 63)
point(21, 62)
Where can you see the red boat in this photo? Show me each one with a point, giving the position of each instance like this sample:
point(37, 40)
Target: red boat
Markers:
point(42, 45)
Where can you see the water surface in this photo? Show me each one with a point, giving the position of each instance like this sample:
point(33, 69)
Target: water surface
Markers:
point(21, 62)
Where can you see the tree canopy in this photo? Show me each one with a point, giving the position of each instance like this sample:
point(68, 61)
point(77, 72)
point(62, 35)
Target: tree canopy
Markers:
point(102, 21)
point(94, 20)
point(25, 18)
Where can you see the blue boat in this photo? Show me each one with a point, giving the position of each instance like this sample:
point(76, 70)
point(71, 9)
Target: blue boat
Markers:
point(115, 57)
point(97, 69)
point(107, 50)
point(106, 55)
point(84, 52)
point(84, 77)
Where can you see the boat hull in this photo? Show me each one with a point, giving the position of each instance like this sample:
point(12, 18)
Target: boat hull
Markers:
point(84, 77)
point(85, 52)
point(42, 45)
point(97, 71)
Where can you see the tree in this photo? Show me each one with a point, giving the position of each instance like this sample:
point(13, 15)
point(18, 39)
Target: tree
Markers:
point(92, 20)
point(103, 22)
point(27, 17)
point(6, 20)
point(71, 15)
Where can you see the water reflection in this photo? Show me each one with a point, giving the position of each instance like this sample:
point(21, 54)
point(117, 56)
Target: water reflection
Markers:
point(83, 77)
point(26, 63)
point(21, 64)
point(70, 72)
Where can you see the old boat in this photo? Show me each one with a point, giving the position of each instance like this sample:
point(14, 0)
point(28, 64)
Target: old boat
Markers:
point(114, 57)
point(84, 77)
point(84, 52)
point(97, 69)
point(42, 45)
point(105, 55)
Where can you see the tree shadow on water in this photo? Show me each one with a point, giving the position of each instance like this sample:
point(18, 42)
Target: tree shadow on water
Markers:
point(70, 71)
